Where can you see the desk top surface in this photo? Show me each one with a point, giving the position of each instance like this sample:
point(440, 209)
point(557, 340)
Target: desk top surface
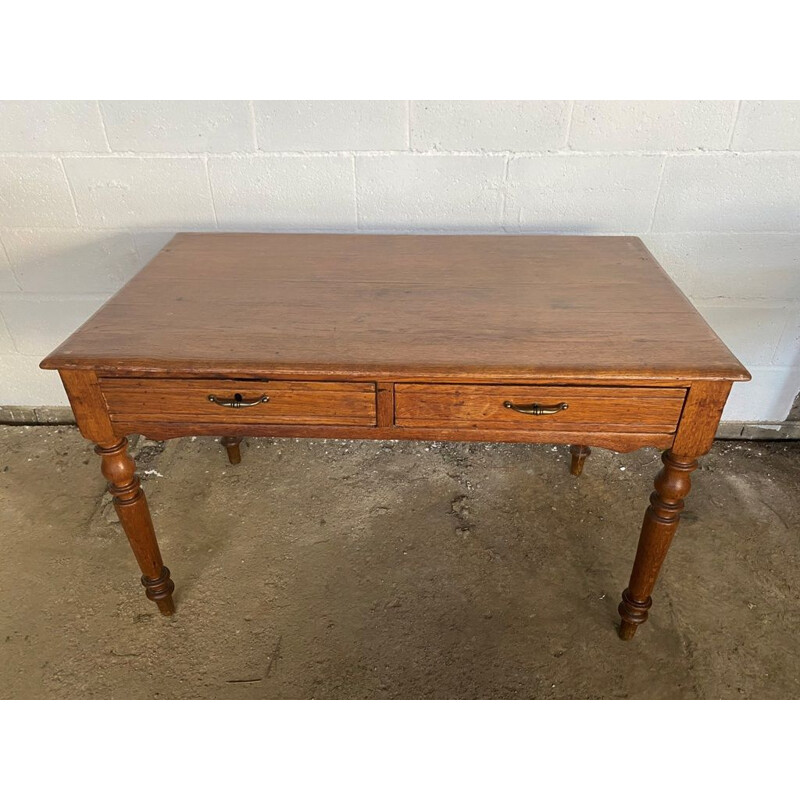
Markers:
point(400, 307)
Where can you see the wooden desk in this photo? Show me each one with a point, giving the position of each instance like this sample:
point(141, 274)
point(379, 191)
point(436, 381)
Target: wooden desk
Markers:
point(580, 340)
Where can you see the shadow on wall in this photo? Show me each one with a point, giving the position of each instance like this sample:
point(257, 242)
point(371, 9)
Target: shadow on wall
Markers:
point(794, 411)
point(773, 395)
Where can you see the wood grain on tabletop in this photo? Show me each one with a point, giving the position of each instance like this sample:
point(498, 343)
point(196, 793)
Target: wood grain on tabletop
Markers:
point(476, 307)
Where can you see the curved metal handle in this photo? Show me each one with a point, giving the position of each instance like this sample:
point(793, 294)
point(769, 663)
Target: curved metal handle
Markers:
point(536, 409)
point(238, 401)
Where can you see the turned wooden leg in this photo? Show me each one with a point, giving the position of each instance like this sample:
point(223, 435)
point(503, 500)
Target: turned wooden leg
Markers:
point(580, 452)
point(131, 505)
point(660, 522)
point(231, 444)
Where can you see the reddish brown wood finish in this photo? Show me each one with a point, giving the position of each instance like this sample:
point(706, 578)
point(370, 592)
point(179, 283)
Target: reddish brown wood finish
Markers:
point(287, 402)
point(619, 442)
point(384, 410)
point(486, 308)
point(402, 337)
point(484, 407)
point(131, 505)
point(694, 438)
point(579, 453)
point(231, 445)
point(660, 522)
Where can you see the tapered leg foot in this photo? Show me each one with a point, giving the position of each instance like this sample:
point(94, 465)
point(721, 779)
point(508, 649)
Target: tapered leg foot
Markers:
point(231, 444)
point(661, 519)
point(627, 630)
point(632, 615)
point(580, 452)
point(159, 590)
point(131, 506)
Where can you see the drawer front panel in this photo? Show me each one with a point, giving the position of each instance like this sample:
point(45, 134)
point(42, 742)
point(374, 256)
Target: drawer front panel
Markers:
point(288, 402)
point(601, 408)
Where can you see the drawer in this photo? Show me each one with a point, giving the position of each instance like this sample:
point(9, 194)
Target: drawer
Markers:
point(606, 408)
point(286, 403)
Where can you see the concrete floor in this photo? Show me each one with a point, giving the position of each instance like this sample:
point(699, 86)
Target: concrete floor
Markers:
point(334, 569)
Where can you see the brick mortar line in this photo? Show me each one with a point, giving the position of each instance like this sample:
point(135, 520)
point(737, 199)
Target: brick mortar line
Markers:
point(174, 229)
point(14, 276)
point(355, 194)
point(788, 323)
point(71, 192)
point(504, 200)
point(4, 326)
point(211, 192)
point(735, 123)
point(136, 249)
point(378, 153)
point(410, 231)
point(568, 132)
point(103, 126)
point(12, 338)
point(253, 130)
point(659, 186)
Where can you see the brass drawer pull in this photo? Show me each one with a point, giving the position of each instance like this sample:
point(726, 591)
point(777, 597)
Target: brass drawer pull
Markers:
point(536, 409)
point(238, 401)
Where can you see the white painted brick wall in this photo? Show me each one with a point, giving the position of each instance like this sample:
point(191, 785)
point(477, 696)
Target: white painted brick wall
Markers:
point(37, 324)
point(152, 192)
point(8, 281)
point(22, 383)
point(322, 126)
point(787, 353)
point(581, 193)
point(488, 125)
point(429, 192)
point(736, 192)
point(168, 126)
point(768, 396)
point(90, 191)
point(34, 191)
point(286, 193)
point(69, 261)
point(747, 266)
point(767, 125)
point(754, 336)
point(51, 127)
point(654, 125)
point(148, 243)
point(6, 342)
